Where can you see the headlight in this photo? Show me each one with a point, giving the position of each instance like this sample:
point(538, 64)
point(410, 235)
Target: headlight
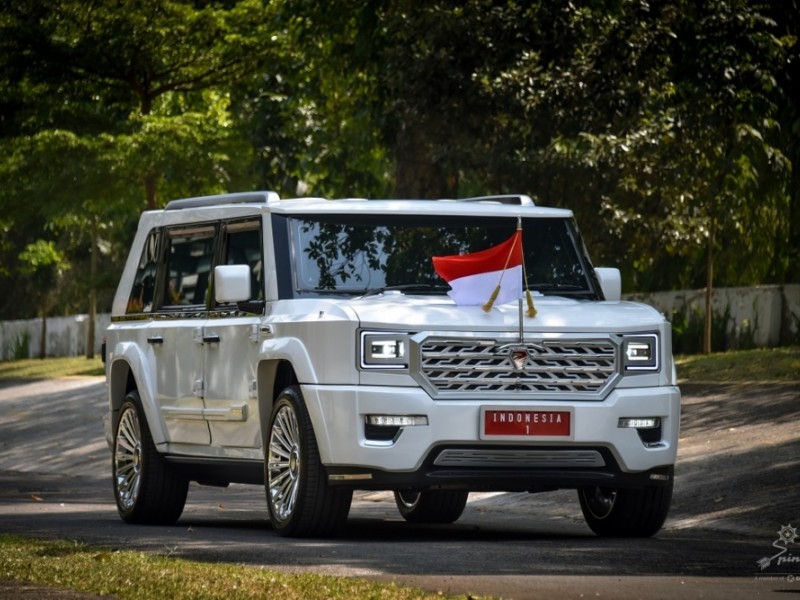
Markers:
point(385, 350)
point(640, 352)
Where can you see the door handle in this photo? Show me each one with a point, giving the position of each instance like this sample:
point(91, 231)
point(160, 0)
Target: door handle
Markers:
point(156, 339)
point(211, 338)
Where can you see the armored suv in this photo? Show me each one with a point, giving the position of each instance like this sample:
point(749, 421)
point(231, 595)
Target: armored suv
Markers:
point(310, 346)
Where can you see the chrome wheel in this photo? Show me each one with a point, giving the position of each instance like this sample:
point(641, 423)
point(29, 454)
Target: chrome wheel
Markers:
point(627, 512)
point(284, 463)
point(146, 488)
point(431, 506)
point(407, 500)
point(300, 501)
point(599, 501)
point(128, 459)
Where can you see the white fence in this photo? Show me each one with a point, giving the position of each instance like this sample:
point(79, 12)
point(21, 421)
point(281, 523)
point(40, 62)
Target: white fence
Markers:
point(760, 317)
point(66, 336)
point(763, 316)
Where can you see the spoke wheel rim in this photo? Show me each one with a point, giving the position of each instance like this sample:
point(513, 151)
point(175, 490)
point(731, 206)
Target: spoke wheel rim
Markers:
point(284, 463)
point(600, 501)
point(128, 459)
point(409, 499)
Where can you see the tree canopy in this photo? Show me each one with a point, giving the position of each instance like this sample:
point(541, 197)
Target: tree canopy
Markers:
point(670, 128)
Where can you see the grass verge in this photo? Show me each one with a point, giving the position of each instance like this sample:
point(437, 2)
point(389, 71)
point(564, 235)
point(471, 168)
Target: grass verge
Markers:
point(144, 576)
point(50, 368)
point(763, 365)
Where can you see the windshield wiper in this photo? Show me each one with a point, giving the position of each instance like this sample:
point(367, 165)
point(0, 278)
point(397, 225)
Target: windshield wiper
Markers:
point(557, 287)
point(406, 287)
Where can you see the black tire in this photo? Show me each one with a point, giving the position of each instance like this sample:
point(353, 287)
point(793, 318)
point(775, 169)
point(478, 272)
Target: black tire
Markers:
point(301, 504)
point(626, 512)
point(431, 506)
point(146, 488)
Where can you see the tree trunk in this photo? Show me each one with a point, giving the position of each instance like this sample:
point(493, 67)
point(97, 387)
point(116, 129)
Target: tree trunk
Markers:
point(417, 174)
point(92, 292)
point(43, 338)
point(150, 191)
point(709, 284)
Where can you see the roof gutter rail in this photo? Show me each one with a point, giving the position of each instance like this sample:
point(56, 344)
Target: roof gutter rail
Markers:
point(240, 198)
point(515, 199)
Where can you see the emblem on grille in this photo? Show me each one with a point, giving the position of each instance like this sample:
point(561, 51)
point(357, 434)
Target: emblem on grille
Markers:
point(518, 358)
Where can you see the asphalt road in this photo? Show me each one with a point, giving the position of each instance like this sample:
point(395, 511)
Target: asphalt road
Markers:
point(737, 488)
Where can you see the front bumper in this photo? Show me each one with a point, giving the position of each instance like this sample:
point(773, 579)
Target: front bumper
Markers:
point(448, 452)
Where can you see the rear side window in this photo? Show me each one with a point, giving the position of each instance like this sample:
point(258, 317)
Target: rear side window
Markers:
point(190, 254)
point(144, 284)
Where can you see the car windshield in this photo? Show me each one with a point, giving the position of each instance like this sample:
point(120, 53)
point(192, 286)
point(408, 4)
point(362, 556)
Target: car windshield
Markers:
point(361, 254)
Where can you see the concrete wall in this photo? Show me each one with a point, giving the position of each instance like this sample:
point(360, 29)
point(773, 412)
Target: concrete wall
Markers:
point(66, 336)
point(763, 316)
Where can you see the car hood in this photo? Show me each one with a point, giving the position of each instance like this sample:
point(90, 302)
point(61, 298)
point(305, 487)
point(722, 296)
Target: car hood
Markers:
point(554, 314)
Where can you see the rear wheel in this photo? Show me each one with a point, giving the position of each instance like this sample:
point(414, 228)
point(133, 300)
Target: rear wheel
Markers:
point(431, 506)
point(146, 488)
point(300, 501)
point(623, 512)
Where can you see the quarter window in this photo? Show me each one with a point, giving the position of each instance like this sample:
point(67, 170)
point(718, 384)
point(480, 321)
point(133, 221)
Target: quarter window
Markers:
point(144, 284)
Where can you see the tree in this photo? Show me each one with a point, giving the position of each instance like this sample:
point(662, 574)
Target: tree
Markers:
point(44, 265)
point(98, 97)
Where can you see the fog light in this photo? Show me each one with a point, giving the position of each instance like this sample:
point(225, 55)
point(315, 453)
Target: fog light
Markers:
point(397, 420)
point(639, 423)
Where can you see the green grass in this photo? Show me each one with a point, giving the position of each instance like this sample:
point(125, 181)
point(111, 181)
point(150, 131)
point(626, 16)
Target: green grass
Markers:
point(144, 576)
point(50, 368)
point(764, 365)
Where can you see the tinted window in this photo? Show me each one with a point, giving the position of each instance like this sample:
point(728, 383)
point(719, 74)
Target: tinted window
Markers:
point(354, 254)
point(243, 247)
point(144, 284)
point(190, 254)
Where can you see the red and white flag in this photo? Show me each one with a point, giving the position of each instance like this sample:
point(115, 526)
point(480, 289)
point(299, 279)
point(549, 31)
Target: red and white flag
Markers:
point(474, 277)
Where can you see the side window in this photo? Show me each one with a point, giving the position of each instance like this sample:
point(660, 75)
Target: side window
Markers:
point(189, 257)
point(242, 246)
point(144, 284)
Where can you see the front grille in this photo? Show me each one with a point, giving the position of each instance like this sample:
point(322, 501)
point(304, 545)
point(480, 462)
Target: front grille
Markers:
point(575, 367)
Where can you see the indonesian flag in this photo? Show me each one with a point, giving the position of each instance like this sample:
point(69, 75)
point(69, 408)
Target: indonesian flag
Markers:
point(474, 278)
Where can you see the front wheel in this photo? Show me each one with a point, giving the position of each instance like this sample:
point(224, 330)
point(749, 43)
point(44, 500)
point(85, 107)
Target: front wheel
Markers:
point(146, 488)
point(431, 506)
point(300, 501)
point(637, 512)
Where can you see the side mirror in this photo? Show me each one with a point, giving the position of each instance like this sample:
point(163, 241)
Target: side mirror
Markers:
point(231, 283)
point(610, 283)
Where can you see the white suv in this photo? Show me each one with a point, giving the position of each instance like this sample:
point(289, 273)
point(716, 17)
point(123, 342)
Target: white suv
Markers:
point(309, 346)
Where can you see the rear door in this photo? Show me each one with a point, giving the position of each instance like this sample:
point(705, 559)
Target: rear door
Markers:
point(177, 334)
point(231, 400)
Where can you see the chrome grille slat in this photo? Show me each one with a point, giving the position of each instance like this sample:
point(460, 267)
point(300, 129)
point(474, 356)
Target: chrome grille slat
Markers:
point(519, 458)
point(576, 367)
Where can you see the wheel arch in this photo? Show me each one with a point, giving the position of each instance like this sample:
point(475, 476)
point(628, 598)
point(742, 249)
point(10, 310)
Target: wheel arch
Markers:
point(128, 372)
point(273, 377)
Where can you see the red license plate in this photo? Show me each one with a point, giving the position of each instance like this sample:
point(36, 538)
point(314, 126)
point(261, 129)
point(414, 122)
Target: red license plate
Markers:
point(526, 422)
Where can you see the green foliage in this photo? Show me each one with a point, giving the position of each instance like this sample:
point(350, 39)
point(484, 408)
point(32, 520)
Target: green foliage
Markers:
point(672, 128)
point(21, 347)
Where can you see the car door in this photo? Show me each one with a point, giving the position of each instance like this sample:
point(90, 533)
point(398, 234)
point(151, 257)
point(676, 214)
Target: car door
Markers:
point(176, 335)
point(231, 359)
